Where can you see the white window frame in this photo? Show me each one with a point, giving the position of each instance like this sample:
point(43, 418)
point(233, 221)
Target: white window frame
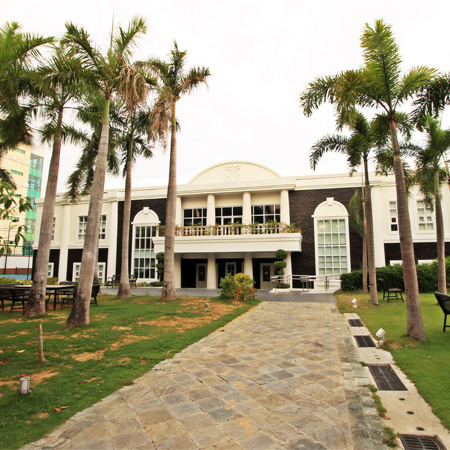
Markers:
point(425, 217)
point(50, 269)
point(145, 218)
point(101, 268)
point(267, 216)
point(393, 220)
point(337, 212)
point(197, 216)
point(234, 217)
point(53, 228)
point(229, 265)
point(82, 225)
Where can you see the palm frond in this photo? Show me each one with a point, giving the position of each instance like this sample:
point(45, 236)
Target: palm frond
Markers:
point(330, 143)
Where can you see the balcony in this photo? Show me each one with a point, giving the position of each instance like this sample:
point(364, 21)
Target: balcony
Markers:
point(236, 229)
point(256, 237)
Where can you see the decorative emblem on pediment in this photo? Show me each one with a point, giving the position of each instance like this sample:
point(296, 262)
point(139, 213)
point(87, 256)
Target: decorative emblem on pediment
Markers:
point(232, 173)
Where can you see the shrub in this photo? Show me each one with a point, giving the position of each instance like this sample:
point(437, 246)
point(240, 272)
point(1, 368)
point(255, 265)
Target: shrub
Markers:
point(156, 283)
point(239, 287)
point(426, 275)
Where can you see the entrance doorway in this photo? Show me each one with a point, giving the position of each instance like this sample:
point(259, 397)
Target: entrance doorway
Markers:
point(267, 270)
point(200, 277)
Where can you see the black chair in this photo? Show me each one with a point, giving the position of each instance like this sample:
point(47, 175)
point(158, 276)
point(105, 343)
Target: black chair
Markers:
point(70, 295)
point(390, 293)
point(132, 281)
point(444, 303)
point(94, 292)
point(67, 294)
point(6, 294)
point(111, 281)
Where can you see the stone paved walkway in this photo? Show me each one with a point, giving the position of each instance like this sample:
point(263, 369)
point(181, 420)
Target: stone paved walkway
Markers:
point(282, 376)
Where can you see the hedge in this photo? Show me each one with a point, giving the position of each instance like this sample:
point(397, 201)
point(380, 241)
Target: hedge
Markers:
point(426, 274)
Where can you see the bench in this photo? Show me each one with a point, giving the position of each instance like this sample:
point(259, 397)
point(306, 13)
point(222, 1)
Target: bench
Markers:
point(69, 295)
point(115, 280)
point(444, 303)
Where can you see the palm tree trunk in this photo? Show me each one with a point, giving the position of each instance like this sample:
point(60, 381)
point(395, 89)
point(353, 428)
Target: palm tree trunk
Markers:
point(124, 287)
point(36, 302)
point(440, 239)
point(364, 255)
point(370, 237)
point(414, 325)
point(80, 310)
point(168, 291)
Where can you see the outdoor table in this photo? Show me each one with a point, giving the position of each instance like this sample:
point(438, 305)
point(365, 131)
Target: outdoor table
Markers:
point(54, 289)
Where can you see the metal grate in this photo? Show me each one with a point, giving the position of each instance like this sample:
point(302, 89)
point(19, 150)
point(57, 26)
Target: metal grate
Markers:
point(364, 341)
point(355, 323)
point(412, 442)
point(386, 378)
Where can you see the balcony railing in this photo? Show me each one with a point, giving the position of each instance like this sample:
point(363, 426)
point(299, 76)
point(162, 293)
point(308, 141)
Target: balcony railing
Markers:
point(235, 229)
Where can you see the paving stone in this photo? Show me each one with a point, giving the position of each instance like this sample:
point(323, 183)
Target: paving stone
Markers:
point(131, 439)
point(208, 436)
point(258, 441)
point(155, 416)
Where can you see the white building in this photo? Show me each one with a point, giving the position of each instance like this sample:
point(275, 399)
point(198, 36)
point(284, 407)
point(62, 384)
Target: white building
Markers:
point(234, 216)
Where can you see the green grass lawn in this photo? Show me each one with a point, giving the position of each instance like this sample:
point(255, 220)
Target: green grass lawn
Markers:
point(125, 339)
point(427, 364)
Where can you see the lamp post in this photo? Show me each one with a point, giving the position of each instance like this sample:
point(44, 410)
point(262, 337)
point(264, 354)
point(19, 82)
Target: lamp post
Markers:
point(15, 220)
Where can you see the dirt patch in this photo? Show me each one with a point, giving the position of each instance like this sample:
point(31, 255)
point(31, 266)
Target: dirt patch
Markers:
point(208, 313)
point(98, 317)
point(37, 378)
point(129, 339)
point(87, 356)
point(19, 333)
point(121, 328)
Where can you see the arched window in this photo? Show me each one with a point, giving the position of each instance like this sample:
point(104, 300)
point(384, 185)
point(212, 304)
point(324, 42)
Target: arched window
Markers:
point(145, 228)
point(331, 238)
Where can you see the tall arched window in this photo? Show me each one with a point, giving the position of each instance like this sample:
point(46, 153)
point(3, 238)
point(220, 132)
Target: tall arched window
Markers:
point(145, 228)
point(331, 238)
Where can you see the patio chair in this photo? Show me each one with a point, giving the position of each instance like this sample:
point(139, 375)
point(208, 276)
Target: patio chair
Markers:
point(111, 281)
point(390, 293)
point(444, 303)
point(132, 281)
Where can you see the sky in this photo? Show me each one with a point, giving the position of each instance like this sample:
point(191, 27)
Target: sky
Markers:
point(261, 54)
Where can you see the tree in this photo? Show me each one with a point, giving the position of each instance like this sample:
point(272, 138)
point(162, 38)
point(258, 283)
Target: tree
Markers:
point(379, 84)
point(103, 73)
point(18, 53)
point(357, 147)
point(133, 144)
point(430, 176)
point(173, 83)
point(10, 205)
point(57, 85)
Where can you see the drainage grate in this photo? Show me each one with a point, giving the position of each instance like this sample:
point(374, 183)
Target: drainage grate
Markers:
point(364, 341)
point(355, 323)
point(386, 378)
point(411, 442)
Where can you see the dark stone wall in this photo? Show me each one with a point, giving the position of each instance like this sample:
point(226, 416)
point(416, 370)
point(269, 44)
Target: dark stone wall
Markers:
point(422, 250)
point(302, 205)
point(157, 205)
point(53, 257)
point(75, 254)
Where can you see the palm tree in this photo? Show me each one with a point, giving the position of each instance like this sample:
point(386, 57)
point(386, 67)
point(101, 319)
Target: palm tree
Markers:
point(379, 84)
point(57, 85)
point(103, 74)
point(133, 144)
point(173, 82)
point(429, 177)
point(357, 147)
point(18, 53)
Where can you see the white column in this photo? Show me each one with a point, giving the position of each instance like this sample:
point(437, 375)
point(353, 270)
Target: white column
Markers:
point(378, 225)
point(246, 208)
point(179, 212)
point(177, 270)
point(211, 210)
point(288, 268)
point(112, 238)
point(211, 276)
point(64, 249)
point(248, 264)
point(284, 207)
